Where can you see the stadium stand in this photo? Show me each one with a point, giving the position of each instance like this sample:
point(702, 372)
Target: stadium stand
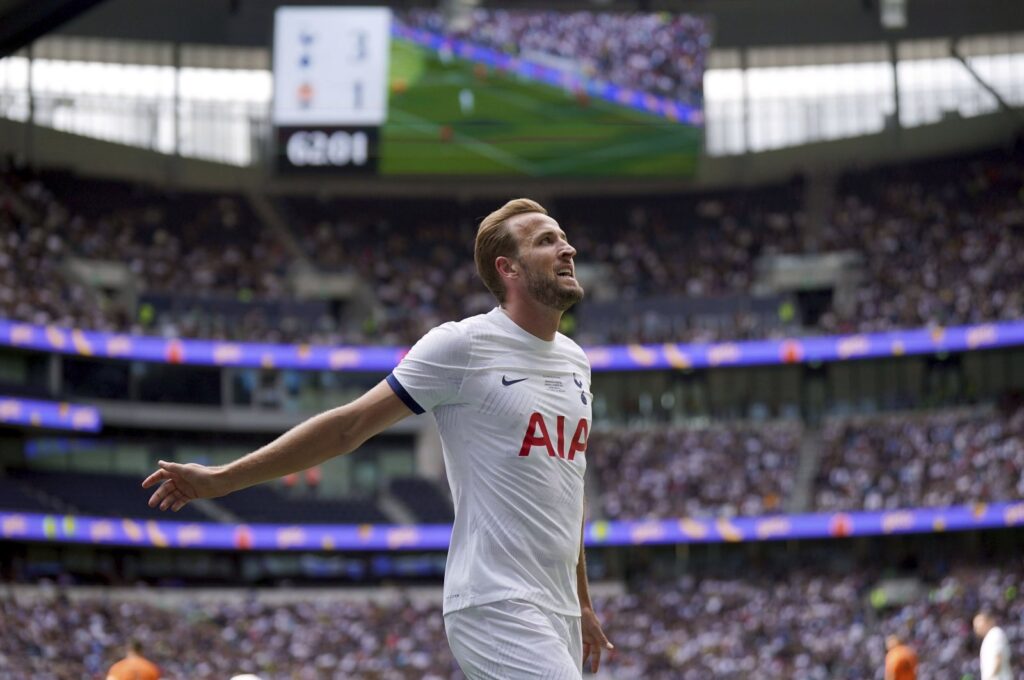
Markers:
point(423, 498)
point(15, 496)
point(205, 638)
point(803, 623)
point(688, 267)
point(90, 493)
point(117, 495)
point(928, 459)
point(719, 470)
point(264, 504)
point(943, 242)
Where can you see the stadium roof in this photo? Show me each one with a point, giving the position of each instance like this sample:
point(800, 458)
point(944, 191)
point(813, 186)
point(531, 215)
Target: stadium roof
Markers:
point(740, 23)
point(22, 21)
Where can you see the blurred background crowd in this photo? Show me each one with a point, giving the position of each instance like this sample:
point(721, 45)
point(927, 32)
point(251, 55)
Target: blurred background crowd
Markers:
point(934, 245)
point(805, 623)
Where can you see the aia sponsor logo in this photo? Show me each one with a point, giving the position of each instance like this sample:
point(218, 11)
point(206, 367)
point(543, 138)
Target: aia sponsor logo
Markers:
point(539, 435)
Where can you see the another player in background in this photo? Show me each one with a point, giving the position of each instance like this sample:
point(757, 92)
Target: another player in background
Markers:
point(995, 648)
point(900, 660)
point(134, 666)
point(512, 401)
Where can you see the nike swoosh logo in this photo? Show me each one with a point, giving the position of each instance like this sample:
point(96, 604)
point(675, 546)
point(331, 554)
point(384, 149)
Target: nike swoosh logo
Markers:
point(506, 382)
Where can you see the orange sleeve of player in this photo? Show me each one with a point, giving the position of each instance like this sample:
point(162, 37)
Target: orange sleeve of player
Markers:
point(911, 672)
point(901, 664)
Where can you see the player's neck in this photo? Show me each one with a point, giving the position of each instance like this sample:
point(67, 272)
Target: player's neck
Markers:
point(534, 318)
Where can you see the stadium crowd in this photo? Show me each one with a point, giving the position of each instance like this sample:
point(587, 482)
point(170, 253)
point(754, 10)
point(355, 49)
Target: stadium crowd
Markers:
point(662, 54)
point(942, 245)
point(801, 623)
point(424, 272)
point(417, 260)
point(887, 462)
point(193, 246)
point(721, 470)
point(926, 460)
point(878, 463)
point(205, 638)
point(32, 285)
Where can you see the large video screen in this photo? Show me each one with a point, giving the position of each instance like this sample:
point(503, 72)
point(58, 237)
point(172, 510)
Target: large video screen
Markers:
point(490, 92)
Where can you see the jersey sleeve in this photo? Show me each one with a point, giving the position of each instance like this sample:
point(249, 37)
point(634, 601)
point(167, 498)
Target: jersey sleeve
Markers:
point(431, 374)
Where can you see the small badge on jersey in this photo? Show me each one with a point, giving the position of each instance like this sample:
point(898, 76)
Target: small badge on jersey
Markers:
point(579, 383)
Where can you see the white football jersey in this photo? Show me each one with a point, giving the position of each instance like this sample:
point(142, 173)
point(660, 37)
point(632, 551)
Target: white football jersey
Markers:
point(514, 415)
point(995, 651)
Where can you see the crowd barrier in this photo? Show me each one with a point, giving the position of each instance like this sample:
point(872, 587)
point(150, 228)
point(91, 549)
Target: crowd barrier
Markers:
point(52, 415)
point(22, 526)
point(805, 350)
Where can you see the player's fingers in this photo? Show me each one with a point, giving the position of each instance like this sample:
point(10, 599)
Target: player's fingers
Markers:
point(595, 659)
point(586, 652)
point(169, 500)
point(154, 478)
point(160, 493)
point(179, 504)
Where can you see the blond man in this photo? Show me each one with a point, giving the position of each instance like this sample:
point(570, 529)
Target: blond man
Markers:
point(511, 397)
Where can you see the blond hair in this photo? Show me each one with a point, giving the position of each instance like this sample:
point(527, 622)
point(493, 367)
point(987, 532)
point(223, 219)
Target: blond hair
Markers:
point(494, 239)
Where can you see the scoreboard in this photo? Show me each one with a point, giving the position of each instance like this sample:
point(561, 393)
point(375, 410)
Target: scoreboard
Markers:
point(400, 93)
point(330, 87)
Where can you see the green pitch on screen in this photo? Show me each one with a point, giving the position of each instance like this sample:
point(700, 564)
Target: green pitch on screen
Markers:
point(516, 127)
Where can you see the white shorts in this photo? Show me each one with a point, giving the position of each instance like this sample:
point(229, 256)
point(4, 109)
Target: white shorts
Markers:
point(513, 640)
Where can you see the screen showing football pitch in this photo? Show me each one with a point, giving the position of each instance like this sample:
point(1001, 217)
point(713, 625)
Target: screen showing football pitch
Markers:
point(529, 93)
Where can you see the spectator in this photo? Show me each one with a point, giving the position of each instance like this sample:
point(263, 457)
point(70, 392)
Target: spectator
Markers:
point(722, 470)
point(926, 460)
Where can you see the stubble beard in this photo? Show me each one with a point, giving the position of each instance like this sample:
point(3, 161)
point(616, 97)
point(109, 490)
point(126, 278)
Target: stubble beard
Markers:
point(549, 291)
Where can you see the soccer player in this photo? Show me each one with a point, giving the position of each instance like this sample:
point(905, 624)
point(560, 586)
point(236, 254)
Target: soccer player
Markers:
point(134, 666)
point(995, 648)
point(511, 397)
point(900, 660)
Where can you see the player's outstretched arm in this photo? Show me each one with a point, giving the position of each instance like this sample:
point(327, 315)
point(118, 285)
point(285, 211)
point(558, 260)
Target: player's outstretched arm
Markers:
point(332, 433)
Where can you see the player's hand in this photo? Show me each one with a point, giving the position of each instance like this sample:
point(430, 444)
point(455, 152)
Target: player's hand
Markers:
point(594, 640)
point(180, 484)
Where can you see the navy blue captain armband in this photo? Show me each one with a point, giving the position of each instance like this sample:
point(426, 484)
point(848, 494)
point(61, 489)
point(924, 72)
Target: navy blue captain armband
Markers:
point(403, 395)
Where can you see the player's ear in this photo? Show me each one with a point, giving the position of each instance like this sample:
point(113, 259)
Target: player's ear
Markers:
point(506, 266)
